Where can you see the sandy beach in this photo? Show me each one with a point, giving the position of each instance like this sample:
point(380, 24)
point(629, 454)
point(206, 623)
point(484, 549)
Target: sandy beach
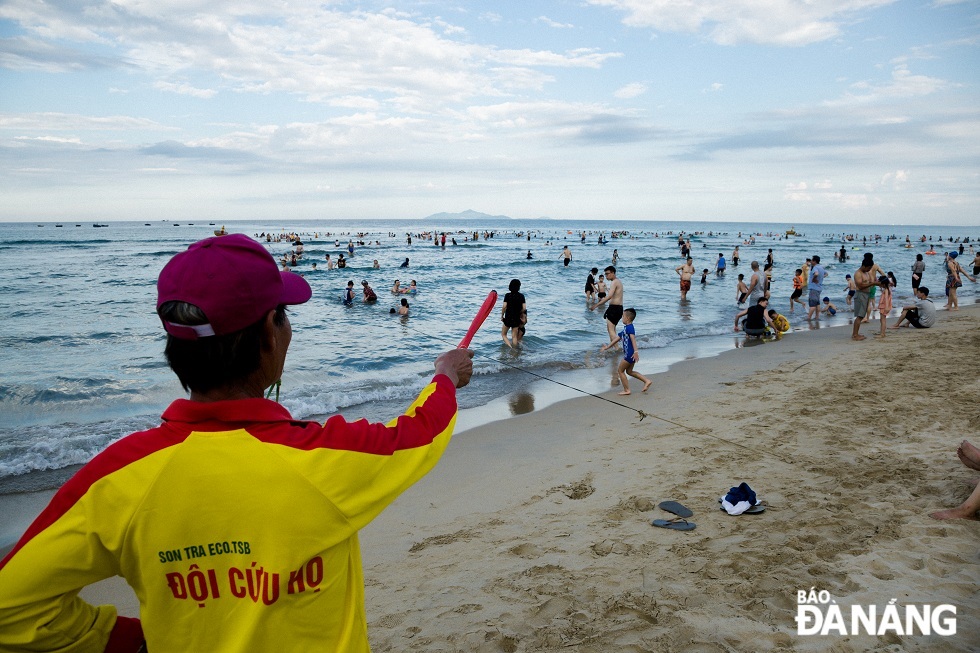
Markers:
point(534, 534)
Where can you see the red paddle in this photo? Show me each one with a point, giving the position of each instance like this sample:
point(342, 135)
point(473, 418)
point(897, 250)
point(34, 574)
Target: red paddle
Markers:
point(477, 322)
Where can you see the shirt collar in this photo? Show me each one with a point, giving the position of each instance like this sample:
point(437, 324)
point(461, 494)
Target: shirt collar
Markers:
point(237, 411)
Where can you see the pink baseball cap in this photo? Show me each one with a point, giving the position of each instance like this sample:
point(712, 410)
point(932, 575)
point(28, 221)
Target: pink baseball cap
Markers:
point(232, 279)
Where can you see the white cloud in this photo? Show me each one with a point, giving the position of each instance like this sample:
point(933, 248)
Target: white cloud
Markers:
point(51, 139)
point(631, 91)
point(185, 89)
point(728, 22)
point(51, 121)
point(903, 84)
point(552, 23)
point(895, 180)
point(311, 50)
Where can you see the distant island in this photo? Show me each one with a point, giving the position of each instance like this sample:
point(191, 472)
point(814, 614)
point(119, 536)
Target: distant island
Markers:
point(468, 214)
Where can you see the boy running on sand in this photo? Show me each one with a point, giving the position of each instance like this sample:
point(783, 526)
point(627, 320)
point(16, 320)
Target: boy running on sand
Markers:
point(630, 354)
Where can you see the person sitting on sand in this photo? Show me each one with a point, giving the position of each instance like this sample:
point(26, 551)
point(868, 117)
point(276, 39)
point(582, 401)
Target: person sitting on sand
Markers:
point(969, 455)
point(921, 314)
point(630, 354)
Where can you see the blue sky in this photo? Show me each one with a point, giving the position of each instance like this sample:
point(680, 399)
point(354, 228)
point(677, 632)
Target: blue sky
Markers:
point(798, 111)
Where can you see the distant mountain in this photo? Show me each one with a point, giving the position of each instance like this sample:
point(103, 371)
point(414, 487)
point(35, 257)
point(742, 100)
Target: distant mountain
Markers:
point(468, 214)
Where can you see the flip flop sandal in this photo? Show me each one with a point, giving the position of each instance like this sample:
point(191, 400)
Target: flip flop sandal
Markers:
point(676, 508)
point(676, 524)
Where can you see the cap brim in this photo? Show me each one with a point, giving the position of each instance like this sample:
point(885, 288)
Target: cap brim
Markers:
point(295, 289)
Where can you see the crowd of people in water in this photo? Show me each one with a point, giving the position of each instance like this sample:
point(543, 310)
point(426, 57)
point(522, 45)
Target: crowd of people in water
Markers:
point(869, 290)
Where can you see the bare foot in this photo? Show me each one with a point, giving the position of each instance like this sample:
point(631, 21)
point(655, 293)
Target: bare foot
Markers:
point(955, 513)
point(624, 392)
point(858, 337)
point(646, 386)
point(969, 455)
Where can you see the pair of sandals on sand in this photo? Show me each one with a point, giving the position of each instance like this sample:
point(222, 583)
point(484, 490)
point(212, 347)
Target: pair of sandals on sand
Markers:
point(680, 523)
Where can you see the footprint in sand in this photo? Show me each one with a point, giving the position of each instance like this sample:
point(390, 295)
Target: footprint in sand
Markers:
point(606, 547)
point(527, 550)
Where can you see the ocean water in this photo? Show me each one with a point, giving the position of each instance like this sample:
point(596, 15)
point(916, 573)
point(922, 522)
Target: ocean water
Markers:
point(81, 349)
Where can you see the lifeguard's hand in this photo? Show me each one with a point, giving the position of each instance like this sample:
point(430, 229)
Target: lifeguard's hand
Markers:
point(457, 364)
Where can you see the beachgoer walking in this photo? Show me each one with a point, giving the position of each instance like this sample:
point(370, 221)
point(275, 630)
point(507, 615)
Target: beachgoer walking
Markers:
point(614, 312)
point(631, 355)
point(918, 269)
point(797, 290)
point(349, 294)
point(720, 265)
point(284, 501)
point(513, 314)
point(590, 285)
point(566, 254)
point(954, 274)
point(735, 257)
point(741, 290)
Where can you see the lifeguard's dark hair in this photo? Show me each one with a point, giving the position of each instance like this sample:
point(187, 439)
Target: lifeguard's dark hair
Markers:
point(212, 362)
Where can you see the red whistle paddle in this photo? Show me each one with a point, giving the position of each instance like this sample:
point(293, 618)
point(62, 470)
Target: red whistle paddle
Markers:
point(477, 322)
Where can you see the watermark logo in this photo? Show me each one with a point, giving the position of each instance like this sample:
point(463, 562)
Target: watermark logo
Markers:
point(817, 613)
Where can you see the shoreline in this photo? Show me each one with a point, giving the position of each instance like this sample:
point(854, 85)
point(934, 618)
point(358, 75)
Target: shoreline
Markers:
point(29, 493)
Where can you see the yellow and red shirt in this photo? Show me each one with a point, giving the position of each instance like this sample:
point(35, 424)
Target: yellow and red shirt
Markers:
point(235, 524)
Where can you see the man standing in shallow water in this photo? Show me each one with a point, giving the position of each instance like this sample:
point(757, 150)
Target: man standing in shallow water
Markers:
point(686, 271)
point(614, 312)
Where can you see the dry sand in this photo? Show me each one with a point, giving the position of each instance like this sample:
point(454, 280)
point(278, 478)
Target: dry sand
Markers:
point(533, 533)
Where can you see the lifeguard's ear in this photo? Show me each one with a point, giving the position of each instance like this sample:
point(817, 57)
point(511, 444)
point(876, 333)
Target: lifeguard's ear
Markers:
point(270, 330)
